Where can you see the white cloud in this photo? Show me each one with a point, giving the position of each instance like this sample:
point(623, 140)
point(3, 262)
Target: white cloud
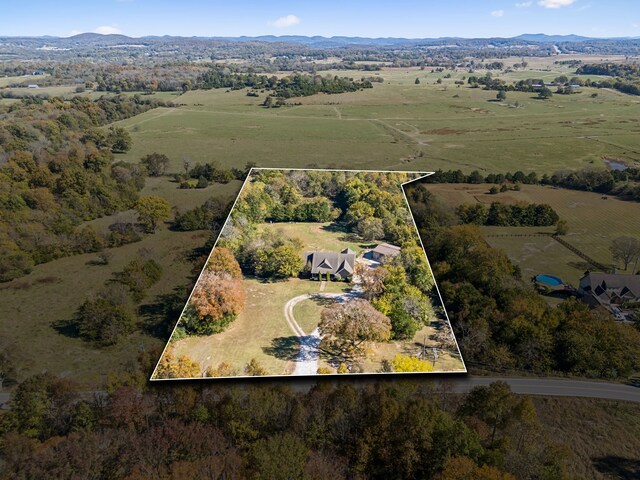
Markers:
point(524, 4)
point(286, 21)
point(497, 13)
point(108, 30)
point(555, 3)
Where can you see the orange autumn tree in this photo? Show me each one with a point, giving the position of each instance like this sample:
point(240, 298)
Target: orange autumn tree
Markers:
point(218, 297)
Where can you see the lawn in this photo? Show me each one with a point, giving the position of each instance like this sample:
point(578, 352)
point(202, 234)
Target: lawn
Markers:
point(307, 312)
point(324, 237)
point(259, 332)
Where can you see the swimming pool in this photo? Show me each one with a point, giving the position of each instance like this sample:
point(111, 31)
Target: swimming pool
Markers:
point(550, 280)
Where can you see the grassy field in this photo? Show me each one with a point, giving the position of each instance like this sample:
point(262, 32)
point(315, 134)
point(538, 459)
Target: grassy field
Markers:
point(593, 223)
point(538, 254)
point(307, 312)
point(5, 81)
point(53, 291)
point(318, 236)
point(602, 444)
point(55, 91)
point(398, 125)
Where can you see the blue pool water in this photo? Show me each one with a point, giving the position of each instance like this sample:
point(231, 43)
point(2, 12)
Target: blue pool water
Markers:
point(550, 280)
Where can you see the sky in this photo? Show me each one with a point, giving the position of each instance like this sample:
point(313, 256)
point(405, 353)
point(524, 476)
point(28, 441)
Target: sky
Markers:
point(372, 18)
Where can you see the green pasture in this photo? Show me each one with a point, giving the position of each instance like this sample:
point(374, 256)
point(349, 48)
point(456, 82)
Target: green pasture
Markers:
point(397, 125)
point(594, 221)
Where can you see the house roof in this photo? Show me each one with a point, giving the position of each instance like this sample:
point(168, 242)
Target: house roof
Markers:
point(387, 249)
point(610, 287)
point(332, 262)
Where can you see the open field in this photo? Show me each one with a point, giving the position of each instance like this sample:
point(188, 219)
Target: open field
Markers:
point(53, 291)
point(398, 125)
point(602, 444)
point(6, 81)
point(593, 223)
point(54, 91)
point(537, 254)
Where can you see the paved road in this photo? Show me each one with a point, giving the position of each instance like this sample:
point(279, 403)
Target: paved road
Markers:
point(528, 386)
point(552, 387)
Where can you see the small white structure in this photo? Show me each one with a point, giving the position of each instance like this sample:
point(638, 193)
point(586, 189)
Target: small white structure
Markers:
point(32, 85)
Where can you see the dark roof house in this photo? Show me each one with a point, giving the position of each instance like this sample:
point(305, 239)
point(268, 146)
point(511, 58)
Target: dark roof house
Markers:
point(609, 288)
point(332, 263)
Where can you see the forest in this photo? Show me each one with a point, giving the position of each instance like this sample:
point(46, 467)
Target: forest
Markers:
point(57, 171)
point(330, 431)
point(500, 321)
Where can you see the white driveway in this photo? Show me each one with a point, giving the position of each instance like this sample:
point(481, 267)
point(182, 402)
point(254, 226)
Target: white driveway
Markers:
point(307, 358)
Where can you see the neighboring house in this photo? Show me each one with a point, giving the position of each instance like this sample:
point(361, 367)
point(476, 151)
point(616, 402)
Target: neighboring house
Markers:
point(384, 252)
point(610, 290)
point(336, 266)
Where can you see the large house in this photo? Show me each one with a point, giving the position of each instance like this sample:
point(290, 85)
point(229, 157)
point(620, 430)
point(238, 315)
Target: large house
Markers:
point(384, 252)
point(610, 290)
point(331, 265)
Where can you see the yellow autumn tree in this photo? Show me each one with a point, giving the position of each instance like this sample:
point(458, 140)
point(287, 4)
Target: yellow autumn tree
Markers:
point(406, 363)
point(182, 366)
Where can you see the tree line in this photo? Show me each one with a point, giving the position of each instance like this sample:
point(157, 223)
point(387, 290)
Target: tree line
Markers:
point(623, 183)
point(521, 214)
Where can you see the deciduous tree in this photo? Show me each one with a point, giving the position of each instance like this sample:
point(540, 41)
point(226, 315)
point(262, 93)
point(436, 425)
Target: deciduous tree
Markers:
point(625, 250)
point(151, 210)
point(347, 326)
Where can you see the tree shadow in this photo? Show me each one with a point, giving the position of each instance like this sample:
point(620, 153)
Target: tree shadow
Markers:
point(159, 318)
point(68, 328)
point(334, 228)
point(283, 348)
point(584, 266)
point(618, 467)
point(322, 301)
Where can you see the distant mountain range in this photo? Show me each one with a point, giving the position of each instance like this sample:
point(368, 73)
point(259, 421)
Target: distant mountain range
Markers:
point(317, 41)
point(543, 38)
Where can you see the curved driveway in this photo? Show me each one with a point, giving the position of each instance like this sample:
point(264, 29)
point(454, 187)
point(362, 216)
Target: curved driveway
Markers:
point(307, 358)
